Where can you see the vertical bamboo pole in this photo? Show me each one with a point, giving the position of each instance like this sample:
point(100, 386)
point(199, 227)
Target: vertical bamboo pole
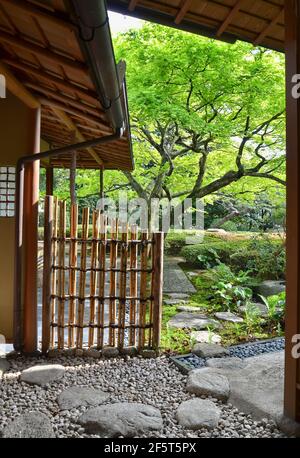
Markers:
point(112, 292)
point(48, 231)
point(61, 274)
point(133, 285)
point(73, 273)
point(54, 275)
point(122, 285)
point(93, 276)
point(157, 286)
point(143, 290)
point(82, 279)
point(102, 264)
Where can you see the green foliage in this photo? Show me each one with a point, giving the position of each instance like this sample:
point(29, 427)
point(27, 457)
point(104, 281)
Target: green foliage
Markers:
point(275, 306)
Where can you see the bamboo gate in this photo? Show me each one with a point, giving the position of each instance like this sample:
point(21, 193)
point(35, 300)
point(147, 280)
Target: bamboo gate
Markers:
point(102, 284)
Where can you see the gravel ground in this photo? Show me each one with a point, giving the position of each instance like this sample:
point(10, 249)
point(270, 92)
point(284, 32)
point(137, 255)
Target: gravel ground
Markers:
point(155, 382)
point(240, 351)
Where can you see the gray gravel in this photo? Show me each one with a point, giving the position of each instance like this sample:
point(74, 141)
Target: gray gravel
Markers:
point(155, 382)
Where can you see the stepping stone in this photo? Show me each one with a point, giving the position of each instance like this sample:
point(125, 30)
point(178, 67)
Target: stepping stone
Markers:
point(228, 316)
point(121, 419)
point(43, 374)
point(192, 321)
point(205, 337)
point(187, 308)
point(174, 301)
point(178, 296)
point(198, 413)
point(206, 350)
point(231, 364)
point(78, 396)
point(208, 382)
point(175, 280)
point(260, 309)
point(4, 366)
point(35, 425)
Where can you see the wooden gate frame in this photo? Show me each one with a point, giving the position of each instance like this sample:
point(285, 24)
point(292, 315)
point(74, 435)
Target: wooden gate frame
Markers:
point(144, 331)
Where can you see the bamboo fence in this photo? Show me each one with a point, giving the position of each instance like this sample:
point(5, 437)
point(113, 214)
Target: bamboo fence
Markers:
point(100, 285)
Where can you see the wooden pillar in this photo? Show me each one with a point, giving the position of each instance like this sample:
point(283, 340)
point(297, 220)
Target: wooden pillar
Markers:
point(30, 241)
point(292, 364)
point(49, 181)
point(48, 230)
point(157, 285)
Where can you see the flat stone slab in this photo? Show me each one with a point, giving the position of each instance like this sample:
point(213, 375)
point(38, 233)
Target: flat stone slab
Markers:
point(208, 382)
point(43, 374)
point(232, 364)
point(4, 366)
point(187, 308)
point(121, 419)
point(192, 321)
point(198, 413)
point(257, 389)
point(206, 350)
point(260, 309)
point(205, 337)
point(228, 316)
point(174, 301)
point(78, 396)
point(35, 425)
point(270, 287)
point(175, 280)
point(178, 296)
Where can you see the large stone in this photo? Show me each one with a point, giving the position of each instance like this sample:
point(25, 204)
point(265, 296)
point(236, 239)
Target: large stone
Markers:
point(121, 419)
point(4, 366)
point(43, 374)
point(77, 396)
point(260, 309)
point(208, 382)
point(270, 287)
point(228, 316)
point(175, 280)
point(206, 350)
point(178, 296)
point(198, 413)
point(174, 301)
point(205, 337)
point(35, 425)
point(188, 308)
point(196, 321)
point(232, 364)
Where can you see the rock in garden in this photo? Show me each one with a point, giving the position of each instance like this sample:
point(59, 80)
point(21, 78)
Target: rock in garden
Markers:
point(4, 366)
point(43, 374)
point(270, 287)
point(205, 337)
point(121, 419)
point(192, 321)
point(208, 382)
point(226, 363)
point(77, 396)
point(110, 352)
point(257, 307)
point(178, 296)
point(206, 350)
point(228, 316)
point(187, 308)
point(29, 425)
point(198, 413)
point(174, 301)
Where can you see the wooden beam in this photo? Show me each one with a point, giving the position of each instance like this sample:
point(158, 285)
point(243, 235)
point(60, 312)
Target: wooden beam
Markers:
point(65, 99)
point(40, 13)
point(229, 18)
point(263, 34)
point(78, 135)
point(74, 112)
point(18, 89)
point(132, 5)
point(47, 77)
point(183, 10)
point(292, 313)
point(54, 58)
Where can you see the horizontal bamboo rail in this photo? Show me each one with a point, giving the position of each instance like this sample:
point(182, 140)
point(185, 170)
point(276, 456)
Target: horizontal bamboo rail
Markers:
point(100, 288)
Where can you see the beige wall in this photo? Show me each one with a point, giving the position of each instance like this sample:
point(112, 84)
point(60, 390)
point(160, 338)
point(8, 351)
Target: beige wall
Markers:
point(17, 130)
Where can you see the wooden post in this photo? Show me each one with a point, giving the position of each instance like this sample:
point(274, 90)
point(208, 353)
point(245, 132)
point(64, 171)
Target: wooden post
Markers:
point(157, 285)
point(48, 231)
point(49, 181)
point(292, 318)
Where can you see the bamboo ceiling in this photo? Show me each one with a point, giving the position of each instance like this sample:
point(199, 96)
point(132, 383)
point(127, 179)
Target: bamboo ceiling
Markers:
point(260, 22)
point(39, 45)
